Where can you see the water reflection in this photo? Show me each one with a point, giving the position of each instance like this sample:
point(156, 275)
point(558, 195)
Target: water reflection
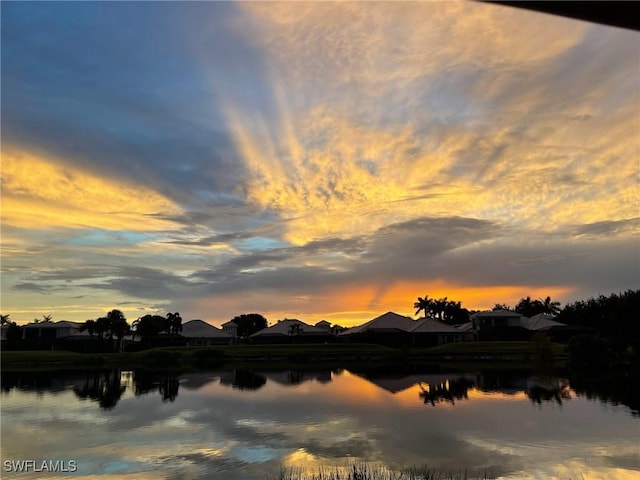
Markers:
point(448, 391)
point(244, 379)
point(439, 388)
point(106, 387)
point(166, 384)
point(247, 423)
point(548, 389)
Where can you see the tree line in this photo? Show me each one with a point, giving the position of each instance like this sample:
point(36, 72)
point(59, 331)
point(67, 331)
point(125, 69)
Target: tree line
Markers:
point(613, 317)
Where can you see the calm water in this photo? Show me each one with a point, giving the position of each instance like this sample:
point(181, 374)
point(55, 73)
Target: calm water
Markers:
point(241, 424)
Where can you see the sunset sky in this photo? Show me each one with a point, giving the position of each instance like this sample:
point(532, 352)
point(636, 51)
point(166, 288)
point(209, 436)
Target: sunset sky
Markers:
point(312, 160)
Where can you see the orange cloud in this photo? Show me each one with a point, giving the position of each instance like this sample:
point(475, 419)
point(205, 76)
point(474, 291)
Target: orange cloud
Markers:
point(41, 192)
point(336, 161)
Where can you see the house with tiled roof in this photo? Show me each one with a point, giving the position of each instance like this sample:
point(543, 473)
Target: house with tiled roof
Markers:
point(508, 325)
point(427, 332)
point(393, 329)
point(291, 331)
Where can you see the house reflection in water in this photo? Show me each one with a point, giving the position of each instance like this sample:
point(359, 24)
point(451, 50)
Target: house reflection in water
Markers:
point(451, 387)
point(106, 387)
point(243, 379)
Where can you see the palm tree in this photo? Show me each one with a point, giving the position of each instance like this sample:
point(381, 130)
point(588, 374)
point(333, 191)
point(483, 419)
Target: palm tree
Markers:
point(102, 327)
point(439, 306)
point(4, 319)
point(295, 330)
point(425, 304)
point(452, 312)
point(117, 326)
point(174, 322)
point(526, 307)
point(549, 307)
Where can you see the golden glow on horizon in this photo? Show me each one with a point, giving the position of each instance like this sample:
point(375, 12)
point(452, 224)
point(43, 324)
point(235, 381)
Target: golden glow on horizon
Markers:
point(356, 304)
point(43, 193)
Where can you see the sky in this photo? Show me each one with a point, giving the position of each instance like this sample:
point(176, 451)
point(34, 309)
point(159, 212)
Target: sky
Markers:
point(312, 160)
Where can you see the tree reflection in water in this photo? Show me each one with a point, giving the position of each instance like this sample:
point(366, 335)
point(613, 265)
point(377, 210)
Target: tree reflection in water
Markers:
point(243, 380)
point(552, 390)
point(103, 387)
point(166, 383)
point(447, 391)
point(106, 387)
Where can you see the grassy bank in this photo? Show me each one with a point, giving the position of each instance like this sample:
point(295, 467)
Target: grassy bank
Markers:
point(207, 357)
point(366, 471)
point(287, 356)
point(492, 351)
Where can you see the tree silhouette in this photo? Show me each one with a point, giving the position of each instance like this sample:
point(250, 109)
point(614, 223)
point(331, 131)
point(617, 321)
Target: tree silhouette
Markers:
point(118, 326)
point(550, 308)
point(89, 326)
point(439, 307)
point(501, 306)
point(526, 307)
point(174, 323)
point(148, 327)
point(454, 313)
point(249, 323)
point(423, 304)
point(102, 327)
point(4, 319)
point(529, 308)
point(295, 330)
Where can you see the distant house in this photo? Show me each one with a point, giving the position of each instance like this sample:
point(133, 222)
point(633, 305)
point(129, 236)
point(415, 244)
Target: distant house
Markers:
point(394, 330)
point(48, 330)
point(467, 331)
point(557, 331)
point(291, 331)
point(540, 322)
point(231, 328)
point(324, 325)
point(428, 332)
point(498, 325)
point(63, 334)
point(200, 333)
point(508, 325)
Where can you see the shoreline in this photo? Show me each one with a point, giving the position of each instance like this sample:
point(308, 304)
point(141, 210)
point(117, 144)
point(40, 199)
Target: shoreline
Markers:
point(499, 354)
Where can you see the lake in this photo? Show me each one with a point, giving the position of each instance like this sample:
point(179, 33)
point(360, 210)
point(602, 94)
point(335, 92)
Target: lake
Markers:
point(241, 424)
